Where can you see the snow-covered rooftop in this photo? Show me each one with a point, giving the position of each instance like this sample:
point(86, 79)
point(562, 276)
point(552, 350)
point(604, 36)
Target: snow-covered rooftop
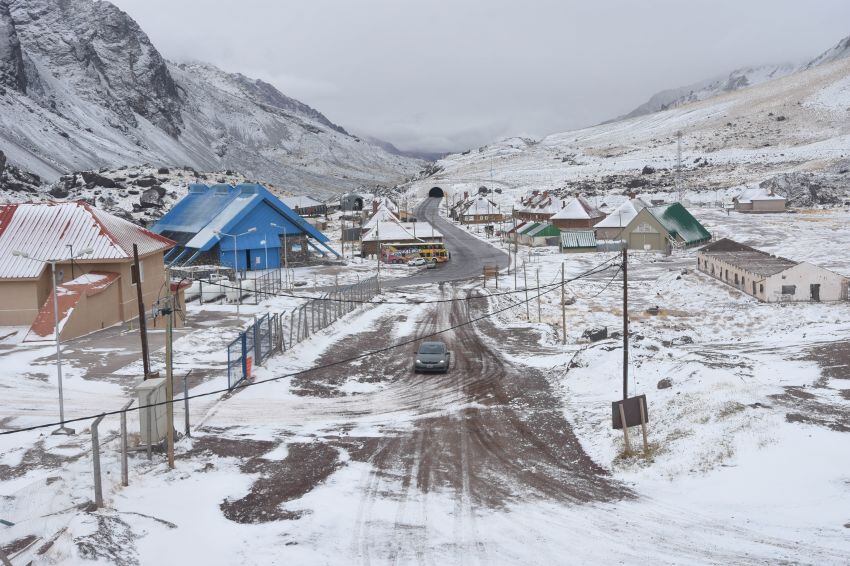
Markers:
point(573, 211)
point(620, 217)
point(46, 230)
point(400, 231)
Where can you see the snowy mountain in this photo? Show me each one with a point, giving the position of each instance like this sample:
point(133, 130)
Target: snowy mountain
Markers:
point(82, 87)
point(737, 79)
point(791, 133)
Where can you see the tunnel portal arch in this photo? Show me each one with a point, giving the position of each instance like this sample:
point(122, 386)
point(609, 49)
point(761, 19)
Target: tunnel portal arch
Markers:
point(436, 192)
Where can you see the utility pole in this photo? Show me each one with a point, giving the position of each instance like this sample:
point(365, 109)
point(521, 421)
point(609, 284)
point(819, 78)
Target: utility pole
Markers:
point(563, 305)
point(169, 374)
point(143, 326)
point(525, 282)
point(625, 323)
point(538, 295)
point(679, 165)
point(380, 249)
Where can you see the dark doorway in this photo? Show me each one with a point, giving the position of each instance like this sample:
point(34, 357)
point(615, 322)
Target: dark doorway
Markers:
point(815, 289)
point(436, 192)
point(247, 260)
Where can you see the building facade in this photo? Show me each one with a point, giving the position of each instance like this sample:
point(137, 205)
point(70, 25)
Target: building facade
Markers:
point(770, 278)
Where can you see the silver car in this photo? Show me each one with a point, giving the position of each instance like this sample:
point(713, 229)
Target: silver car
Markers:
point(432, 356)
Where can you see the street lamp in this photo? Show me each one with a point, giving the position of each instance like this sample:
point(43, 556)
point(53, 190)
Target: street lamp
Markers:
point(285, 253)
point(219, 233)
point(62, 428)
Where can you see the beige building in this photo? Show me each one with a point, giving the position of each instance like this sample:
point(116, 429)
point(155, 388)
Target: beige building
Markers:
point(770, 278)
point(659, 229)
point(759, 200)
point(96, 289)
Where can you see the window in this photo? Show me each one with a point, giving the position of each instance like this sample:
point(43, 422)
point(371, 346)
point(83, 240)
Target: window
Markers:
point(789, 289)
point(761, 288)
point(736, 279)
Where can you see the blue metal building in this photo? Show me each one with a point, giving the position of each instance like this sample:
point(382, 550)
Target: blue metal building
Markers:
point(209, 222)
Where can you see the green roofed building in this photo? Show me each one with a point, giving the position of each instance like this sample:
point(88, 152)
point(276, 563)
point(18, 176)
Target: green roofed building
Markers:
point(578, 241)
point(661, 228)
point(537, 234)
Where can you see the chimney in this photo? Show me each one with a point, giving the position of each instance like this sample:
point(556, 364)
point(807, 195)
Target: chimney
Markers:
point(535, 192)
point(374, 206)
point(465, 195)
point(632, 195)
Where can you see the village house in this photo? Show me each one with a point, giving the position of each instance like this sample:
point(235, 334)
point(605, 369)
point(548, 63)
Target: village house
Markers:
point(480, 210)
point(537, 234)
point(767, 277)
point(611, 227)
point(538, 207)
point(578, 214)
point(397, 234)
point(305, 206)
point(244, 227)
point(96, 289)
point(758, 200)
point(663, 228)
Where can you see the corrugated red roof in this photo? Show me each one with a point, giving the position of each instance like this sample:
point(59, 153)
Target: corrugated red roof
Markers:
point(45, 230)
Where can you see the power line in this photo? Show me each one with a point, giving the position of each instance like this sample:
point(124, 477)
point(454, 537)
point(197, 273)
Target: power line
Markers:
point(592, 271)
point(408, 302)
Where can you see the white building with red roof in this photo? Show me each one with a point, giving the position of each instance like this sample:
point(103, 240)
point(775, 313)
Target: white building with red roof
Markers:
point(96, 289)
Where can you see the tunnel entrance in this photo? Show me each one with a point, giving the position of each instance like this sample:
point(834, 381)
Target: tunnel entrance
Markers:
point(436, 192)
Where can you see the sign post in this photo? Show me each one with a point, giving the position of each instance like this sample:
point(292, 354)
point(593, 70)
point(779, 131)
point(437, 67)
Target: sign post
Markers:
point(631, 412)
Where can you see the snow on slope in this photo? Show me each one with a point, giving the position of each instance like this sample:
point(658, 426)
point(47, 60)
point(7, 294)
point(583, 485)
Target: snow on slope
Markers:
point(794, 125)
point(95, 92)
point(736, 80)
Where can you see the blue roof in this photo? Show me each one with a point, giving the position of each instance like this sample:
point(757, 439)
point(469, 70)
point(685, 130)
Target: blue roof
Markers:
point(206, 210)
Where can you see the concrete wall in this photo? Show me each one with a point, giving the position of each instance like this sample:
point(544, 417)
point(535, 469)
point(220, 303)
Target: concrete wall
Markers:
point(608, 233)
point(93, 313)
point(773, 205)
point(18, 302)
point(734, 276)
point(833, 287)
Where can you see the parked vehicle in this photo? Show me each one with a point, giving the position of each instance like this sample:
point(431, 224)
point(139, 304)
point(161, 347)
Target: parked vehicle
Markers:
point(431, 264)
point(417, 262)
point(432, 356)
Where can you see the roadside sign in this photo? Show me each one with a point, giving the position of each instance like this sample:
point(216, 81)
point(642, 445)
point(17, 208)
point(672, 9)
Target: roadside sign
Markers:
point(631, 408)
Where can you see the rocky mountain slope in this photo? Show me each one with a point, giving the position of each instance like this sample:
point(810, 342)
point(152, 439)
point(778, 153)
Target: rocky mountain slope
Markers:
point(82, 87)
point(736, 80)
point(791, 133)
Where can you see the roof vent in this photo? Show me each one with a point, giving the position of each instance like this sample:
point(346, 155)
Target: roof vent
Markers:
point(247, 189)
point(198, 188)
point(222, 189)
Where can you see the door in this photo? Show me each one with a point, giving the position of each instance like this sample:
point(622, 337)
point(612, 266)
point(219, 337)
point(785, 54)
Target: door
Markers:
point(815, 290)
point(247, 260)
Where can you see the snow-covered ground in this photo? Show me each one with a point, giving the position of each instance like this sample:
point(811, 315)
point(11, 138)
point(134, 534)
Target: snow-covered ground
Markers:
point(749, 446)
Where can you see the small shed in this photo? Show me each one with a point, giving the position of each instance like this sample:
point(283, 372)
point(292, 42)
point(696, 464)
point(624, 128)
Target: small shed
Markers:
point(305, 206)
point(759, 200)
point(577, 241)
point(351, 202)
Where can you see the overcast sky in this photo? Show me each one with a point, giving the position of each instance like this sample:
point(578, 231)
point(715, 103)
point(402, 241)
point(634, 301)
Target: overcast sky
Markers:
point(446, 75)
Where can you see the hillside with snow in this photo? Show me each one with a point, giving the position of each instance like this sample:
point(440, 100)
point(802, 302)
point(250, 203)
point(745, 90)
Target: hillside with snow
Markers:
point(82, 87)
point(791, 133)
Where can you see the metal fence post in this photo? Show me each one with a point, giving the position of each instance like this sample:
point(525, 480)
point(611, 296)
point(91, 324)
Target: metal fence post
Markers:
point(125, 472)
point(291, 326)
point(243, 339)
point(95, 446)
point(186, 401)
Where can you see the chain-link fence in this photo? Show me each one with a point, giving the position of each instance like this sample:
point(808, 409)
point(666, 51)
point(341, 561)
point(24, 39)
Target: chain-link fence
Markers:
point(279, 332)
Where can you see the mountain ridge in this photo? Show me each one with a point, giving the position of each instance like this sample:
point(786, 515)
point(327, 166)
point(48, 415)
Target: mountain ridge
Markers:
point(84, 88)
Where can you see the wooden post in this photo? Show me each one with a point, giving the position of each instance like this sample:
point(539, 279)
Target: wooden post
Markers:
point(625, 323)
point(563, 305)
point(95, 447)
point(539, 319)
point(625, 430)
point(525, 282)
point(143, 329)
point(169, 375)
point(643, 426)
